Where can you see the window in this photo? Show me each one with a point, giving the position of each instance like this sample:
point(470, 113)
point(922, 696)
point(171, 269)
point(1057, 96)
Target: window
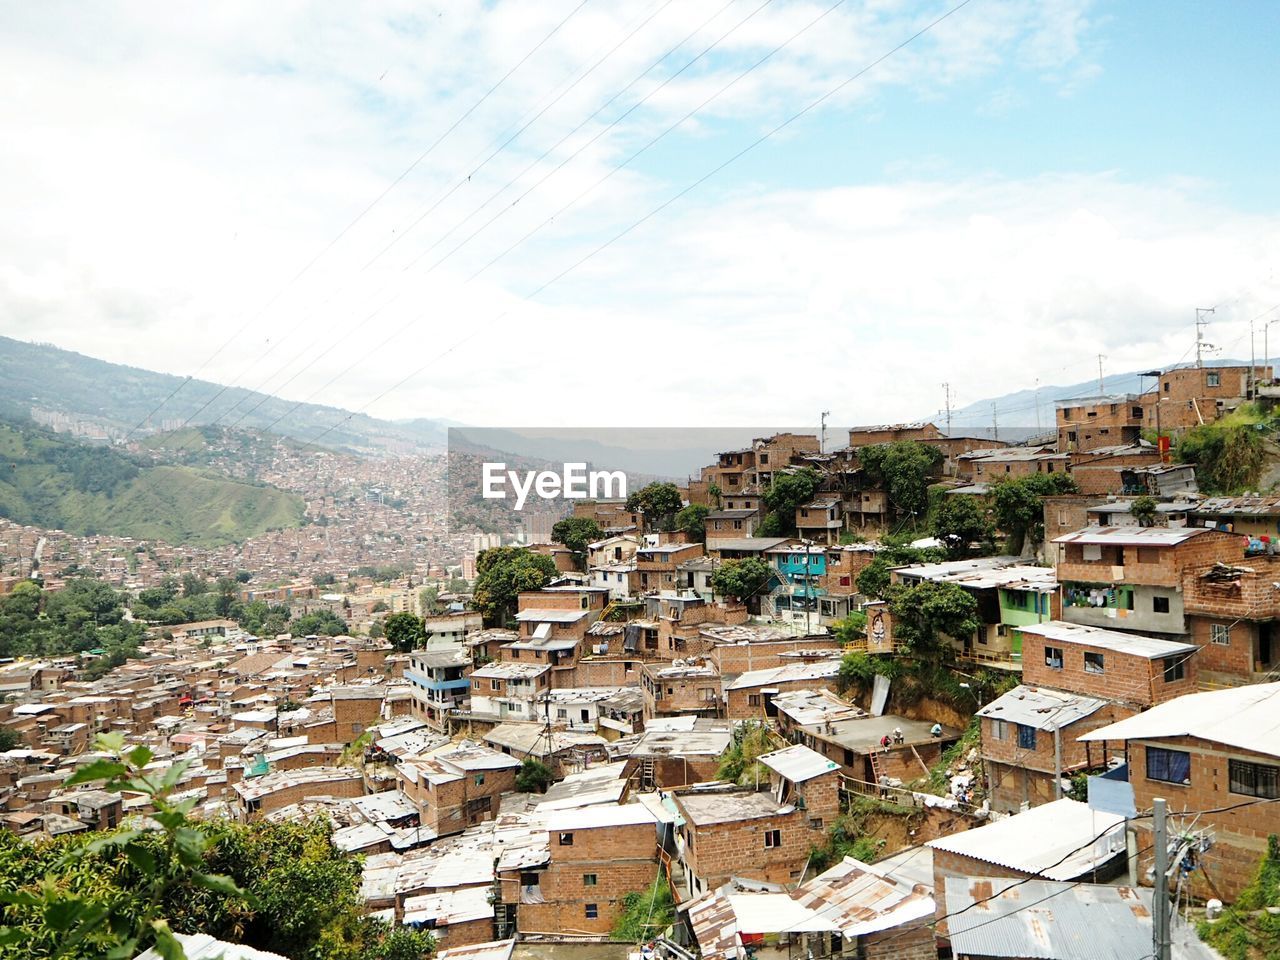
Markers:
point(1254, 779)
point(588, 879)
point(1026, 737)
point(479, 779)
point(773, 838)
point(495, 684)
point(1053, 658)
point(591, 910)
point(1220, 633)
point(1071, 436)
point(562, 713)
point(1175, 668)
point(815, 823)
point(1166, 387)
point(999, 730)
point(566, 839)
point(1093, 663)
point(1137, 413)
point(1160, 604)
point(753, 699)
point(1168, 766)
point(1212, 380)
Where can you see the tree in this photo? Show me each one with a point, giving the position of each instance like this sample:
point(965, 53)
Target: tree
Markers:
point(852, 628)
point(9, 740)
point(1228, 459)
point(960, 523)
point(645, 914)
point(502, 574)
point(785, 494)
point(927, 612)
point(429, 600)
point(405, 631)
point(1145, 510)
point(534, 776)
point(873, 579)
point(575, 533)
point(659, 502)
point(903, 469)
point(321, 623)
point(692, 521)
point(193, 585)
point(715, 493)
point(741, 579)
point(1018, 504)
point(227, 589)
point(323, 579)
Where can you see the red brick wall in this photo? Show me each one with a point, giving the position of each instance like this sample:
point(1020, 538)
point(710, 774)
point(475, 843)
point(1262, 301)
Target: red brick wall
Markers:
point(721, 851)
point(1125, 678)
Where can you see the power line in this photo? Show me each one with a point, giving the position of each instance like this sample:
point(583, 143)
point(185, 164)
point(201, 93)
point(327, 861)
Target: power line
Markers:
point(814, 104)
point(360, 216)
point(475, 233)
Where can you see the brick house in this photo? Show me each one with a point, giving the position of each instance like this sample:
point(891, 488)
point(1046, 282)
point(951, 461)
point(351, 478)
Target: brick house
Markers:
point(775, 453)
point(599, 854)
point(1087, 423)
point(1189, 396)
point(985, 466)
point(1133, 577)
point(456, 786)
point(677, 751)
point(1127, 669)
point(437, 682)
point(730, 525)
point(893, 432)
point(1029, 736)
point(806, 779)
point(611, 515)
point(457, 918)
point(1204, 752)
point(508, 688)
point(751, 694)
point(1115, 470)
point(259, 796)
point(1232, 611)
point(657, 563)
point(686, 687)
point(730, 832)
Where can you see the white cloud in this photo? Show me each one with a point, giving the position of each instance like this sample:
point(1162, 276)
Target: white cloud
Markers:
point(166, 170)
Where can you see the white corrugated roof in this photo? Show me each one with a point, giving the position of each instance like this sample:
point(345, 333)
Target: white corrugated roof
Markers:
point(1246, 717)
point(1055, 839)
point(601, 815)
point(1041, 709)
point(798, 763)
point(1114, 640)
point(1135, 536)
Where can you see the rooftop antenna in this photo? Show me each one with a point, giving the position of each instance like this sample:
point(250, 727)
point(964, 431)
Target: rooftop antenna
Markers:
point(1102, 386)
point(1200, 325)
point(946, 392)
point(822, 436)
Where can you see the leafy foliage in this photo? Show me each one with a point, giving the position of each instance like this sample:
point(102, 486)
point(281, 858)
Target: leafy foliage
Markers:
point(84, 615)
point(281, 887)
point(1228, 458)
point(1018, 504)
point(575, 533)
point(852, 628)
point(659, 502)
point(903, 469)
point(927, 612)
point(961, 523)
point(739, 763)
point(320, 623)
point(646, 914)
point(785, 494)
point(741, 578)
point(1145, 509)
point(1248, 930)
point(534, 776)
point(502, 574)
point(692, 520)
point(405, 631)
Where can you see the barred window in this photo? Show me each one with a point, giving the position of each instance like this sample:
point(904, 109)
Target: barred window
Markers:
point(1254, 779)
point(1220, 633)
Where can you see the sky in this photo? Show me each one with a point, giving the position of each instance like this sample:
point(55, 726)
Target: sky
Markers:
point(659, 212)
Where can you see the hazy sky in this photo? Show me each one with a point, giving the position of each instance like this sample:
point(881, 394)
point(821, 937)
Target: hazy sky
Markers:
point(1020, 189)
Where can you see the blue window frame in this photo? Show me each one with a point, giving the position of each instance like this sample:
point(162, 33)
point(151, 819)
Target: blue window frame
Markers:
point(1168, 766)
point(1026, 737)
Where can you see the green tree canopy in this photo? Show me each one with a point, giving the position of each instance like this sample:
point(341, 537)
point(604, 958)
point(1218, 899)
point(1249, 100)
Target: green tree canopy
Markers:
point(575, 533)
point(405, 631)
point(741, 579)
point(1018, 505)
point(660, 501)
point(502, 574)
point(321, 623)
point(534, 776)
point(788, 491)
point(903, 469)
point(1228, 458)
point(692, 520)
point(1145, 510)
point(927, 612)
point(961, 523)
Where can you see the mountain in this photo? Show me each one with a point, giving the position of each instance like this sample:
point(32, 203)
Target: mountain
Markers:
point(1023, 413)
point(94, 398)
point(50, 481)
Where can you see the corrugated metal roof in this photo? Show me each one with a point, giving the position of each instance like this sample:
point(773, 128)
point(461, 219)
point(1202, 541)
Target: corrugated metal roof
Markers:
point(1246, 717)
point(1043, 920)
point(1041, 709)
point(798, 763)
point(494, 950)
point(1134, 536)
point(1052, 839)
point(448, 907)
point(1130, 643)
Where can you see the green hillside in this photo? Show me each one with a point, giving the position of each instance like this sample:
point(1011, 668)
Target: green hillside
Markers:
point(49, 481)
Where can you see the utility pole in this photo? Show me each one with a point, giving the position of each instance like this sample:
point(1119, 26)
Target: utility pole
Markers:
point(1253, 363)
point(995, 424)
point(946, 393)
point(1102, 387)
point(822, 434)
point(1200, 325)
point(1057, 761)
point(1037, 406)
point(1160, 898)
